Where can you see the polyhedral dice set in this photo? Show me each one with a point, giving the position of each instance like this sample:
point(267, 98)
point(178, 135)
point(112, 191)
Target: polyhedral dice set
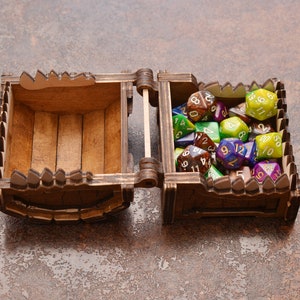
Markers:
point(214, 139)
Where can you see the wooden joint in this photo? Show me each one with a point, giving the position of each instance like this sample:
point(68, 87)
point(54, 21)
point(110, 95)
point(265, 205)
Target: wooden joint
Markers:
point(150, 174)
point(145, 81)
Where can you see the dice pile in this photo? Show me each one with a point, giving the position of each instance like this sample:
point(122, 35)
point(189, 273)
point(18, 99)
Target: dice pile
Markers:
point(215, 140)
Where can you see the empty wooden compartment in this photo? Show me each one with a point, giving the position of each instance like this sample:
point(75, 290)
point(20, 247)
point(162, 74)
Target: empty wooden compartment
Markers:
point(65, 145)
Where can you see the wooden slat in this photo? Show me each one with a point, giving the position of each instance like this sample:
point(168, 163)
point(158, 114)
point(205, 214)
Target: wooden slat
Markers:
point(20, 137)
point(93, 142)
point(112, 140)
point(69, 99)
point(69, 142)
point(44, 141)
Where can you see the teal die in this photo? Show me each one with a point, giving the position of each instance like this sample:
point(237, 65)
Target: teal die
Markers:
point(261, 104)
point(210, 128)
point(234, 127)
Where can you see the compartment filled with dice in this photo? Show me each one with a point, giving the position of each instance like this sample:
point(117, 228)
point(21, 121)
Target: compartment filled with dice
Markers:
point(231, 150)
point(210, 135)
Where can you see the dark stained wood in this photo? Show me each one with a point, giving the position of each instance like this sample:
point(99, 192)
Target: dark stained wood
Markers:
point(60, 176)
point(33, 178)
point(18, 180)
point(47, 177)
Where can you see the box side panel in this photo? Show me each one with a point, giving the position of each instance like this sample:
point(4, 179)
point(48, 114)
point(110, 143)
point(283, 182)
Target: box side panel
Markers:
point(112, 140)
point(69, 99)
point(20, 138)
point(193, 202)
point(166, 129)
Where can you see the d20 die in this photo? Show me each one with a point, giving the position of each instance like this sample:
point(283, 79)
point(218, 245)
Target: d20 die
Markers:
point(182, 126)
point(231, 153)
point(194, 159)
point(200, 106)
point(268, 146)
point(234, 127)
point(203, 141)
point(265, 168)
point(261, 104)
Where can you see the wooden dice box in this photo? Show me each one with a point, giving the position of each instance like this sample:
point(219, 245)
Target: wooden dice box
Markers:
point(65, 158)
point(190, 195)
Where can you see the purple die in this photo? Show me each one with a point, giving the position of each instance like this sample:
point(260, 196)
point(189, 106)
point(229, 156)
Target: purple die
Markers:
point(231, 153)
point(266, 168)
point(250, 156)
point(221, 112)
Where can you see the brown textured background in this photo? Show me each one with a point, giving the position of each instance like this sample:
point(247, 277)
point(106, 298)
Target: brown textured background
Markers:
point(134, 256)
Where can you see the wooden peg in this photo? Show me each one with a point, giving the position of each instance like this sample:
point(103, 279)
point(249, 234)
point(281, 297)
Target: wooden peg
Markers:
point(147, 136)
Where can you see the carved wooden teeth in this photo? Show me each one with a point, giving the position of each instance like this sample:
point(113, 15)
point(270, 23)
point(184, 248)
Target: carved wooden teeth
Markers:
point(76, 176)
point(47, 178)
point(239, 91)
point(53, 79)
point(60, 177)
point(33, 178)
point(251, 186)
point(3, 126)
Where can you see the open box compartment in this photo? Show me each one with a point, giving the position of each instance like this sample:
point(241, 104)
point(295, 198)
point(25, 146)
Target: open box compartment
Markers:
point(64, 146)
point(190, 195)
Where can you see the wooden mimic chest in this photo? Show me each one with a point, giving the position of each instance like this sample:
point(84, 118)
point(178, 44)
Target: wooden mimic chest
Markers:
point(65, 158)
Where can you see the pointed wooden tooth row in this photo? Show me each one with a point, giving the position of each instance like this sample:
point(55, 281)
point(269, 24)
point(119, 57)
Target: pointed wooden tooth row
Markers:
point(54, 79)
point(47, 178)
point(3, 124)
point(238, 185)
point(239, 91)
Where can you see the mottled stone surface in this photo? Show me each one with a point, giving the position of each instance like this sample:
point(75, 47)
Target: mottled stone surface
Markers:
point(133, 256)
